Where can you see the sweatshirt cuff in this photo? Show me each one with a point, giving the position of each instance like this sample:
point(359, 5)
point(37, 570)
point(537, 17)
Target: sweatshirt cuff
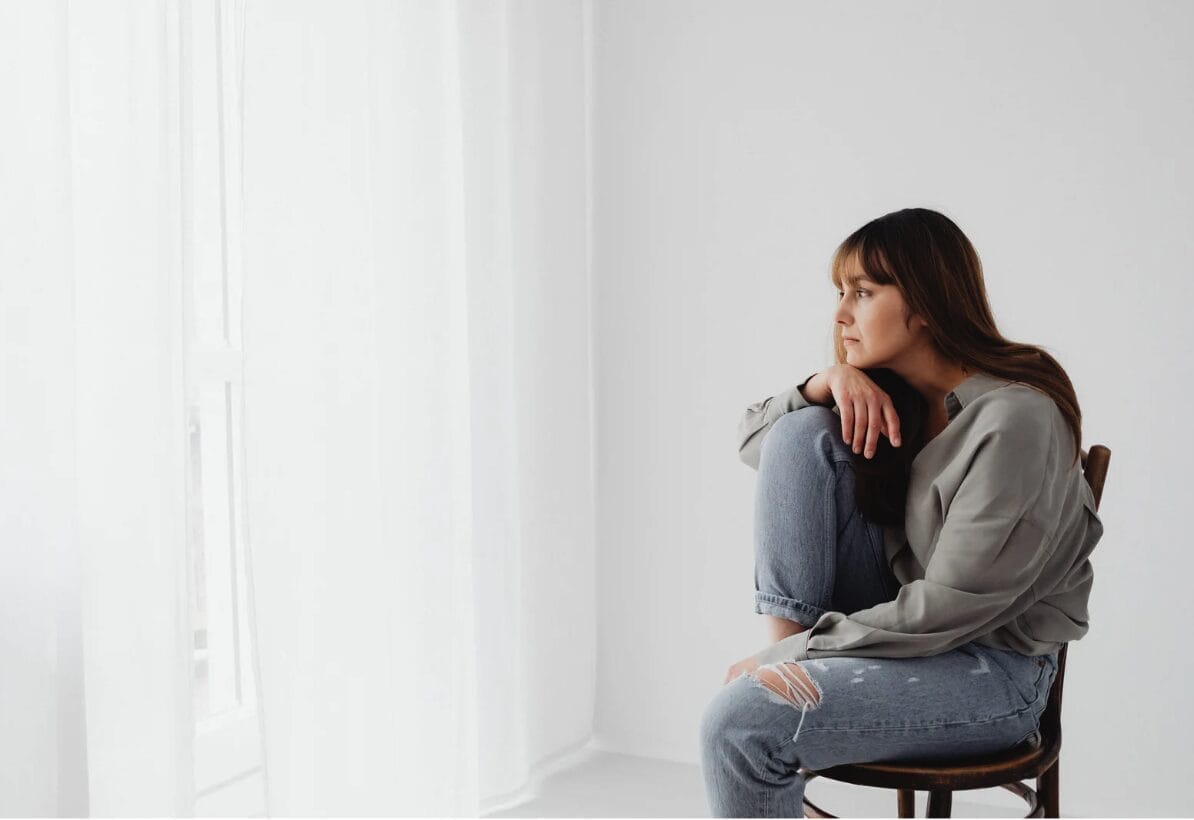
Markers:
point(791, 648)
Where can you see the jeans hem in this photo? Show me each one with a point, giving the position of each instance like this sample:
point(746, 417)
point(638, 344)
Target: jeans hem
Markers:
point(804, 614)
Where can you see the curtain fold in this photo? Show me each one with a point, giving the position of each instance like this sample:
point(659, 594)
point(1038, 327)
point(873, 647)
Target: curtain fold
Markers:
point(94, 675)
point(417, 397)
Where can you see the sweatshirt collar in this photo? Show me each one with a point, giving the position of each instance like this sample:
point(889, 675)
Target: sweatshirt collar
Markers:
point(976, 384)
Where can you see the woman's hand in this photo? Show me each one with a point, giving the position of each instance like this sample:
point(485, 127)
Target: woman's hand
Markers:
point(741, 668)
point(866, 409)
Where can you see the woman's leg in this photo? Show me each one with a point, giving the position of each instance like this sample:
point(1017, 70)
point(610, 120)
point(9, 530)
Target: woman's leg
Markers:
point(814, 552)
point(780, 628)
point(972, 700)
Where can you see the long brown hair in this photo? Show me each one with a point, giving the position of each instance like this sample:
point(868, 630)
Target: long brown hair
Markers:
point(925, 255)
point(881, 482)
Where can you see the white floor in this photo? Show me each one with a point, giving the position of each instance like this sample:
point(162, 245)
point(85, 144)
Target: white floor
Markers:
point(602, 784)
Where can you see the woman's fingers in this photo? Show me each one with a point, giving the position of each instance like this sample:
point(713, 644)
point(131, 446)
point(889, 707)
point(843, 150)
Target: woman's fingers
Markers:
point(861, 421)
point(854, 422)
point(874, 427)
point(868, 424)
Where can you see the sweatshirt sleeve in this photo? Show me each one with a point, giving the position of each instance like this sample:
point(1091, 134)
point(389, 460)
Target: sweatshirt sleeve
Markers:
point(992, 546)
point(759, 417)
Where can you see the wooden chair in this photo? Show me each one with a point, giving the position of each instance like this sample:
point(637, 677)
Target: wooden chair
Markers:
point(1038, 757)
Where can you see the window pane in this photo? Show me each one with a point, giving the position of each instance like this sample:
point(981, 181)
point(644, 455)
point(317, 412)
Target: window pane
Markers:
point(214, 548)
point(204, 177)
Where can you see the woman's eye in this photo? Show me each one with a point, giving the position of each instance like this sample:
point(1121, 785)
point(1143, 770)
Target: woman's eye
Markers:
point(863, 292)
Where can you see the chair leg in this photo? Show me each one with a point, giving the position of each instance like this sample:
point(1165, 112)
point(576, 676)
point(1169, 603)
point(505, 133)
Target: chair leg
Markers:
point(906, 803)
point(940, 803)
point(1048, 789)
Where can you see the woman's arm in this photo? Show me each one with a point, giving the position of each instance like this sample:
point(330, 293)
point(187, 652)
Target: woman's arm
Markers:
point(997, 538)
point(816, 390)
point(759, 417)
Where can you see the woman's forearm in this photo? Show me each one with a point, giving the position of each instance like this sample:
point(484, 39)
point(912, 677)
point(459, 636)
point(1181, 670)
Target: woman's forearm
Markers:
point(817, 390)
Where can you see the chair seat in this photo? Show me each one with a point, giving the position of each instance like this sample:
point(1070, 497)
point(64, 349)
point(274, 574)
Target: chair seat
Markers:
point(1025, 760)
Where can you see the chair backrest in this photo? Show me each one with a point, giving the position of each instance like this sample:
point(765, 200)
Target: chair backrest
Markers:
point(1094, 468)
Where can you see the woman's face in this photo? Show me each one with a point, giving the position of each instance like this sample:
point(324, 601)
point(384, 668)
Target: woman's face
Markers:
point(870, 317)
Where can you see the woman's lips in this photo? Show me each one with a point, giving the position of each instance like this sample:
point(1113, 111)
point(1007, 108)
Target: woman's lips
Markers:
point(846, 340)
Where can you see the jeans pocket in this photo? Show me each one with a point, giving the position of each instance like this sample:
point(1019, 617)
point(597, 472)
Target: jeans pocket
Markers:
point(1042, 681)
point(1033, 738)
point(1028, 675)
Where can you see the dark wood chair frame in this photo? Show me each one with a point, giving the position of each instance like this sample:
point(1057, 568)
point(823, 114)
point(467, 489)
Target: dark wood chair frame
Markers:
point(1036, 758)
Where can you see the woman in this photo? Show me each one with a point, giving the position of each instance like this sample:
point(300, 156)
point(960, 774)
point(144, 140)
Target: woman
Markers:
point(922, 532)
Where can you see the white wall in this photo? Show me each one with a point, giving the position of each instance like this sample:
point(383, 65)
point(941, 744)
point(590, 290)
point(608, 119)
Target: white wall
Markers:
point(735, 144)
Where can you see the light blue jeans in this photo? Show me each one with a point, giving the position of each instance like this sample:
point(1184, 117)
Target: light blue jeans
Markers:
point(814, 553)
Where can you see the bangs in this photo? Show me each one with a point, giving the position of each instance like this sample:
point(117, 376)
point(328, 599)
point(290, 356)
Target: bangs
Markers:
point(857, 260)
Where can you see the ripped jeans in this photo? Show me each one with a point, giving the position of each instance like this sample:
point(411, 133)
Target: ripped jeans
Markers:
point(816, 553)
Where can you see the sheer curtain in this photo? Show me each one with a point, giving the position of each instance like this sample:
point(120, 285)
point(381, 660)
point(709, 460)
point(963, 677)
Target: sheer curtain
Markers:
point(417, 398)
point(94, 681)
point(409, 225)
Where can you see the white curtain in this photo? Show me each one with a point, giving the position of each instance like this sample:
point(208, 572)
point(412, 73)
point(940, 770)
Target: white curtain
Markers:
point(412, 231)
point(94, 682)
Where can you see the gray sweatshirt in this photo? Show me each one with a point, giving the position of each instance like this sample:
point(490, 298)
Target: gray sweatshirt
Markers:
point(998, 530)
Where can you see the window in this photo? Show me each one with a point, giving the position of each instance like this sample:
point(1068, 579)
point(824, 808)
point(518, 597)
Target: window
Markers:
point(228, 757)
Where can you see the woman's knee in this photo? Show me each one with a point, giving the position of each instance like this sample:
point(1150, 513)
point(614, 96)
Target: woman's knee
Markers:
point(728, 716)
point(715, 720)
point(756, 714)
point(799, 432)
